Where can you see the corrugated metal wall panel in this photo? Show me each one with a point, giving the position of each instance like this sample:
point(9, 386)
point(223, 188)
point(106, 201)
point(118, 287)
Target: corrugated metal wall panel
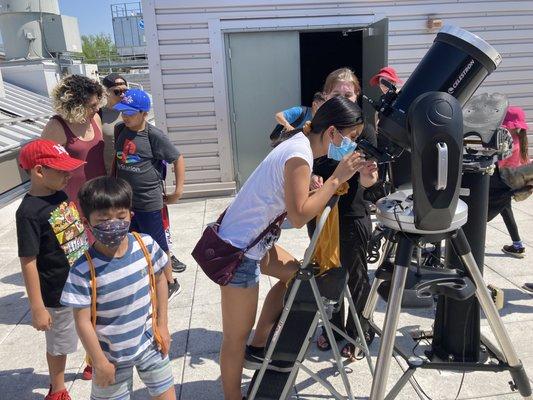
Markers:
point(185, 51)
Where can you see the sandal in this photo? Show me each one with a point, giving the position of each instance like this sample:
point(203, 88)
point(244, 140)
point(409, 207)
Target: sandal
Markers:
point(322, 343)
point(348, 351)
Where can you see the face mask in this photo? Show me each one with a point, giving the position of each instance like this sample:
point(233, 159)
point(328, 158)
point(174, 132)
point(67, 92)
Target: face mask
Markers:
point(111, 233)
point(338, 152)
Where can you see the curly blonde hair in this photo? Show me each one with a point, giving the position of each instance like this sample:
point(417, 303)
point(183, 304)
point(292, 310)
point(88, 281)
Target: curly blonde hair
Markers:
point(341, 75)
point(71, 95)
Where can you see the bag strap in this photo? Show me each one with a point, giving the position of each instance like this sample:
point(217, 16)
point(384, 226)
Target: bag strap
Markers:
point(273, 224)
point(93, 287)
point(116, 134)
point(153, 291)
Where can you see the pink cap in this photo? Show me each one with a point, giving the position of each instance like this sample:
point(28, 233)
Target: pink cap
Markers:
point(515, 118)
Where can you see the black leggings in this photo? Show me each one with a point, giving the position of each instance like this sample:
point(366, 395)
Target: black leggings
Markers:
point(500, 198)
point(355, 234)
point(510, 223)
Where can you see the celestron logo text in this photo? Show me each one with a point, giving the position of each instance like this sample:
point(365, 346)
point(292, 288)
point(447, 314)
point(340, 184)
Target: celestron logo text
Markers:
point(461, 76)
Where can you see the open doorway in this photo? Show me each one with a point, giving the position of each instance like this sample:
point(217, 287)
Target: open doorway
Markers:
point(322, 52)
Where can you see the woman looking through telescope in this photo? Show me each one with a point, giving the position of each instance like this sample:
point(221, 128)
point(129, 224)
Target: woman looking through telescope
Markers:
point(280, 183)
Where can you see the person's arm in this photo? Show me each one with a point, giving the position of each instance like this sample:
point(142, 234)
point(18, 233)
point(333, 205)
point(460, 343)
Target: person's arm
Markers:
point(280, 118)
point(301, 207)
point(53, 131)
point(40, 317)
point(179, 175)
point(162, 311)
point(104, 370)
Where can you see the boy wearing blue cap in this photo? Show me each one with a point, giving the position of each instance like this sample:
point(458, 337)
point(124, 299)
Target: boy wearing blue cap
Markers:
point(141, 153)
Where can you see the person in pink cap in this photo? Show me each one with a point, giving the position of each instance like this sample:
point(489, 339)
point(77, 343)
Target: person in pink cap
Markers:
point(385, 74)
point(50, 238)
point(513, 174)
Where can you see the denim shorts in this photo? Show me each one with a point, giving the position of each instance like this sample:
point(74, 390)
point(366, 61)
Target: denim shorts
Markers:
point(247, 274)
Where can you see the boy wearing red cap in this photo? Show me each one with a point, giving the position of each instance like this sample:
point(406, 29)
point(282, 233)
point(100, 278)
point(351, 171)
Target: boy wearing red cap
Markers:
point(385, 74)
point(50, 238)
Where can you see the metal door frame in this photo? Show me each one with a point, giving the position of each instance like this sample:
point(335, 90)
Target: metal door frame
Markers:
point(219, 27)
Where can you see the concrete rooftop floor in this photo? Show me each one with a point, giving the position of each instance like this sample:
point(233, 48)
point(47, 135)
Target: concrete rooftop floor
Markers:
point(195, 326)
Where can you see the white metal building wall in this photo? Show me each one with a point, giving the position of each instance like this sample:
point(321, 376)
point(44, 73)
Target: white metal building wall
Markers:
point(185, 89)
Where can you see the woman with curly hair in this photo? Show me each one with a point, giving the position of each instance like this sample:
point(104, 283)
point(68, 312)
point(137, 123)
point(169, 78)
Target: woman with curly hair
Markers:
point(77, 126)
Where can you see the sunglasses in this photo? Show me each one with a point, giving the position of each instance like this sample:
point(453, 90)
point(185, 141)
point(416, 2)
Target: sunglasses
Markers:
point(119, 92)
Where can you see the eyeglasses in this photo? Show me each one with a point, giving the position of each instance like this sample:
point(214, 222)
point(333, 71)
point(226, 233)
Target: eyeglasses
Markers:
point(119, 92)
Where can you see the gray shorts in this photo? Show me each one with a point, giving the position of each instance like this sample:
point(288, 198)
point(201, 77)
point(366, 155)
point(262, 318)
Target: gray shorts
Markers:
point(61, 338)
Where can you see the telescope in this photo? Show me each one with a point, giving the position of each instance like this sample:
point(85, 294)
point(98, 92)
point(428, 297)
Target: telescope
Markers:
point(446, 135)
point(450, 140)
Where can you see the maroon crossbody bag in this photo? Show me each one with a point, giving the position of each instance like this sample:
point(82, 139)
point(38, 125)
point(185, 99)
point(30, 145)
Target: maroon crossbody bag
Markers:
point(218, 258)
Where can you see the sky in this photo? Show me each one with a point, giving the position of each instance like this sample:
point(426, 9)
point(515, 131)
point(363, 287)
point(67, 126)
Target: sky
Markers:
point(94, 16)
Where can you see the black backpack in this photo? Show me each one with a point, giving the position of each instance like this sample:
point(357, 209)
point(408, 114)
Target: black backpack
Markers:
point(278, 129)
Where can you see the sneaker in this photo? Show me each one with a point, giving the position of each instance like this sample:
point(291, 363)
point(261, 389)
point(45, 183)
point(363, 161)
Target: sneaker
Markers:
point(253, 359)
point(528, 287)
point(513, 251)
point(177, 265)
point(87, 373)
point(174, 289)
point(61, 395)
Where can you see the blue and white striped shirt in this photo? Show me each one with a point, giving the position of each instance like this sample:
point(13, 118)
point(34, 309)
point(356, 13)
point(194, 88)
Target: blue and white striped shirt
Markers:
point(123, 305)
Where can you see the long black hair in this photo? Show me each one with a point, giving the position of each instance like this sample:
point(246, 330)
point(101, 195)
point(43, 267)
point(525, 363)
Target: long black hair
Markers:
point(337, 111)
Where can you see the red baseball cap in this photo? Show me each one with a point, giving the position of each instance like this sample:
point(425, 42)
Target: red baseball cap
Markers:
point(388, 73)
point(515, 118)
point(48, 154)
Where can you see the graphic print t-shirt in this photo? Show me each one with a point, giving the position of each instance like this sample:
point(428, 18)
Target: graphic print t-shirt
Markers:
point(137, 157)
point(49, 228)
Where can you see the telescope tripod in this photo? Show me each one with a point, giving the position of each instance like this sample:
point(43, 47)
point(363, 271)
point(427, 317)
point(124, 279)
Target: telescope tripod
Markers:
point(404, 242)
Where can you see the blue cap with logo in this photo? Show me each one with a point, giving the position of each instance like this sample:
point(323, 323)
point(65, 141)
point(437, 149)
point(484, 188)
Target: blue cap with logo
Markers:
point(133, 101)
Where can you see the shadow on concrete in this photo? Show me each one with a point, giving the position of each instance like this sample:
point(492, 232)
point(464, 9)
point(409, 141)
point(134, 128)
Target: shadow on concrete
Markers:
point(13, 279)
point(20, 383)
point(13, 309)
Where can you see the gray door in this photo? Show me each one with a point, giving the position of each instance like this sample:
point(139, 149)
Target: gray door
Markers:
point(264, 78)
point(375, 57)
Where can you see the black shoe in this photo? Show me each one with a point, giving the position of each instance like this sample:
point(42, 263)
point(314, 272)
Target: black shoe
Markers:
point(174, 289)
point(513, 251)
point(528, 287)
point(253, 359)
point(177, 265)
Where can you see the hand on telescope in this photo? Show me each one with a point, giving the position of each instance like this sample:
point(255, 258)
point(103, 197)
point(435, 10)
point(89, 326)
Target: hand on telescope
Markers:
point(316, 182)
point(348, 166)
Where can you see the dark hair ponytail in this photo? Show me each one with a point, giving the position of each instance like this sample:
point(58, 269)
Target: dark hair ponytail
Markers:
point(337, 111)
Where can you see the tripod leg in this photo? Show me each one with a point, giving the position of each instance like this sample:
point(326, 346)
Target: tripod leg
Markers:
point(360, 333)
point(394, 304)
point(279, 327)
point(373, 296)
point(331, 338)
point(462, 248)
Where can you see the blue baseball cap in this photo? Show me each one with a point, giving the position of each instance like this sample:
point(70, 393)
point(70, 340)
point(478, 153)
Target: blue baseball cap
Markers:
point(133, 101)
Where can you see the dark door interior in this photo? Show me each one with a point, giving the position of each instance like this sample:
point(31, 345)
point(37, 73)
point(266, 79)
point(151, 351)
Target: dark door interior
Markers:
point(324, 52)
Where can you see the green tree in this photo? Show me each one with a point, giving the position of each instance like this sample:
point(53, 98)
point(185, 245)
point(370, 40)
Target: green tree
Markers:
point(98, 48)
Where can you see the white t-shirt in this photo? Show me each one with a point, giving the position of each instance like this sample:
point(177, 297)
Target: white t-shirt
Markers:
point(262, 198)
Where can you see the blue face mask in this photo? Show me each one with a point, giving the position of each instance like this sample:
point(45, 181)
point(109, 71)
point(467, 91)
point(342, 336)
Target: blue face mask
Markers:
point(338, 152)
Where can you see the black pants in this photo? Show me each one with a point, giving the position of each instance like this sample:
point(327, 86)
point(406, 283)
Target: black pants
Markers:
point(500, 198)
point(354, 237)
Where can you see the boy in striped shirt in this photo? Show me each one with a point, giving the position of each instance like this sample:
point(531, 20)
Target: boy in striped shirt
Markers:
point(119, 282)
